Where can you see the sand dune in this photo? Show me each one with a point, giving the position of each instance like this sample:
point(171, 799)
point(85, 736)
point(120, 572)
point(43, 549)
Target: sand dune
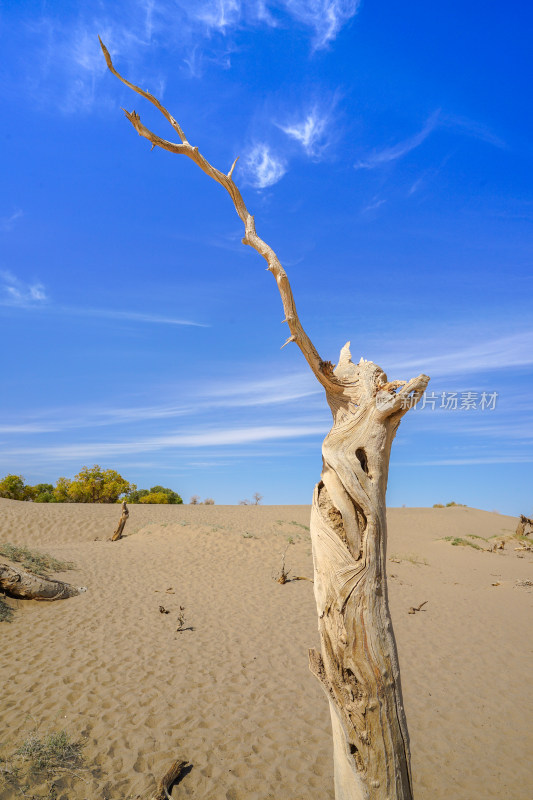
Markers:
point(234, 696)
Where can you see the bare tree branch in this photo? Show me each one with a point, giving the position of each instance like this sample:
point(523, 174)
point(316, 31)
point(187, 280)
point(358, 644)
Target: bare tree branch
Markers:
point(358, 666)
point(323, 370)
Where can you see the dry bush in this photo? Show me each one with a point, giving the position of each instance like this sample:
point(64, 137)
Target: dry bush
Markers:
point(6, 612)
point(412, 558)
point(34, 561)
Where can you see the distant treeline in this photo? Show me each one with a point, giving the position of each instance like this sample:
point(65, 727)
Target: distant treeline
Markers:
point(90, 485)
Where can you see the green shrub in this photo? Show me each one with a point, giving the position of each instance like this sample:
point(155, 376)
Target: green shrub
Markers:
point(43, 493)
point(135, 496)
point(457, 541)
point(173, 497)
point(157, 494)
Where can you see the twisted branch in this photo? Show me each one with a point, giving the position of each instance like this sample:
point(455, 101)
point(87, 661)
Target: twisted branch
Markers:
point(323, 370)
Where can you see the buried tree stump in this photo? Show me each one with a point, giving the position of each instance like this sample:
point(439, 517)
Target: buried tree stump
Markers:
point(524, 527)
point(121, 523)
point(20, 583)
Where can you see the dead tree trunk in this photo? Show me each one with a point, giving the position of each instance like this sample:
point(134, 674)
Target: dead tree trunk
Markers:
point(121, 523)
point(524, 527)
point(18, 582)
point(358, 664)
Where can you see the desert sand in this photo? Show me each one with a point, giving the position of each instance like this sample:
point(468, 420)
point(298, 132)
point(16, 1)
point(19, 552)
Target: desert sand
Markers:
point(233, 696)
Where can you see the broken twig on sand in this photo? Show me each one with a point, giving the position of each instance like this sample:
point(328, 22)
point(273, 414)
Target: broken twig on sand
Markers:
point(414, 609)
point(175, 772)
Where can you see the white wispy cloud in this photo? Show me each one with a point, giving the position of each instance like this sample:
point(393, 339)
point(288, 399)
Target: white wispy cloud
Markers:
point(219, 14)
point(281, 389)
point(486, 355)
point(18, 293)
point(388, 154)
point(28, 428)
point(236, 394)
point(472, 128)
point(68, 65)
point(460, 125)
point(311, 130)
point(213, 437)
point(325, 17)
point(7, 223)
point(262, 167)
point(132, 316)
point(374, 204)
point(512, 458)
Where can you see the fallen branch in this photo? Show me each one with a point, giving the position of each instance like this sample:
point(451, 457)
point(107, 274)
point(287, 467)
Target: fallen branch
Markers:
point(176, 771)
point(413, 610)
point(121, 523)
point(20, 583)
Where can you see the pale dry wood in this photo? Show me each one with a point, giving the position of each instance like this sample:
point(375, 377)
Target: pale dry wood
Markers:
point(358, 665)
point(121, 523)
point(171, 776)
point(18, 582)
point(524, 527)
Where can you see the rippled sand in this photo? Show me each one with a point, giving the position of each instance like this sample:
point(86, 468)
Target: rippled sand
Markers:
point(234, 696)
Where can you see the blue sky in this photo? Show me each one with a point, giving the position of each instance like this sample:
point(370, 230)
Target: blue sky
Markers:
point(385, 151)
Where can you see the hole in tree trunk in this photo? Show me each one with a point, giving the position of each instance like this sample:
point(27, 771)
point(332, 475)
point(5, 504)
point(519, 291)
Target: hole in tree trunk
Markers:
point(361, 518)
point(331, 515)
point(361, 457)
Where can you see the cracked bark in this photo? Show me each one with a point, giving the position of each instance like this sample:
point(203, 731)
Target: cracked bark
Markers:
point(358, 664)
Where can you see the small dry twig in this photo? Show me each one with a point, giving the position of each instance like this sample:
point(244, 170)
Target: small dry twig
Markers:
point(284, 573)
point(181, 621)
point(414, 609)
point(170, 777)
